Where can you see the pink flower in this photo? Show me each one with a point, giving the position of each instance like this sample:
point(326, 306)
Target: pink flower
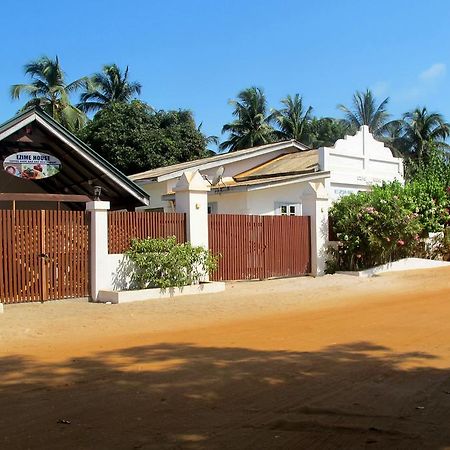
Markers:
point(359, 255)
point(416, 237)
point(400, 242)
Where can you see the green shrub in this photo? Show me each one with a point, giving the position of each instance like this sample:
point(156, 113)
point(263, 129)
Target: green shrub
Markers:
point(163, 263)
point(375, 227)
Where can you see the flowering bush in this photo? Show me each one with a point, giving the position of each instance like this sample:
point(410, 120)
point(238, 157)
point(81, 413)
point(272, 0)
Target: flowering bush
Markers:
point(375, 227)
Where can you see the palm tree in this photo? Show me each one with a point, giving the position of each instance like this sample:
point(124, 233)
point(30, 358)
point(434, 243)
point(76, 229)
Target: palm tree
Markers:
point(365, 111)
point(292, 120)
point(252, 125)
point(49, 90)
point(106, 87)
point(424, 131)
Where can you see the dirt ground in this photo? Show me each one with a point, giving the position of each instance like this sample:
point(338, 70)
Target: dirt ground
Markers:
point(326, 363)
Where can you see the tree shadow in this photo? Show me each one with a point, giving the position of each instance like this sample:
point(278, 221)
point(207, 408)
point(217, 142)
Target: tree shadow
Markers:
point(182, 396)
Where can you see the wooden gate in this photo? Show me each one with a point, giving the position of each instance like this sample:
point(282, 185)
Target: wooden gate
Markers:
point(258, 247)
point(45, 255)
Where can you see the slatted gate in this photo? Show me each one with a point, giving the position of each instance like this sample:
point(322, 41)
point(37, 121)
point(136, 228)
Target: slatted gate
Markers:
point(45, 255)
point(258, 247)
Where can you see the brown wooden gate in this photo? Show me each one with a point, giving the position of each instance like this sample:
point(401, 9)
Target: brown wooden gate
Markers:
point(257, 247)
point(45, 255)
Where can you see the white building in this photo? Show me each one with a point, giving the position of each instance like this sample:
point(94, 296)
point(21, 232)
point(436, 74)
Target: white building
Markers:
point(272, 179)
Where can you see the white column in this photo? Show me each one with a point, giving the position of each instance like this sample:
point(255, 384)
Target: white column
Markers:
point(100, 276)
point(191, 197)
point(315, 204)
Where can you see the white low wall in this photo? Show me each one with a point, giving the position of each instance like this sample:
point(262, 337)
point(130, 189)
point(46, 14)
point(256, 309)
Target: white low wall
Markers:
point(400, 265)
point(157, 293)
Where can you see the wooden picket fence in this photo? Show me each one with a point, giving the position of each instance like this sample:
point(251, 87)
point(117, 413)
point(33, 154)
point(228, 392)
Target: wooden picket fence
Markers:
point(258, 247)
point(45, 255)
point(123, 226)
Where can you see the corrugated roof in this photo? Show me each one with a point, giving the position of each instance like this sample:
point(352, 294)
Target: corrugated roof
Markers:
point(289, 164)
point(160, 171)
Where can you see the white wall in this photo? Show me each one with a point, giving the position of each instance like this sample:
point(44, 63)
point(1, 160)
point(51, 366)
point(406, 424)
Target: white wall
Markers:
point(157, 189)
point(258, 201)
point(358, 162)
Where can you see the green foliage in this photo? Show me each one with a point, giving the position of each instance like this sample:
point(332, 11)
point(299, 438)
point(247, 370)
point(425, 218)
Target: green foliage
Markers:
point(364, 111)
point(292, 120)
point(428, 182)
point(252, 124)
point(135, 138)
point(376, 227)
point(324, 132)
point(106, 87)
point(49, 90)
point(163, 263)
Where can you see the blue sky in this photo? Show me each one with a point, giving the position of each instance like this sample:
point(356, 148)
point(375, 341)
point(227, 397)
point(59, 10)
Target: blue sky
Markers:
point(199, 54)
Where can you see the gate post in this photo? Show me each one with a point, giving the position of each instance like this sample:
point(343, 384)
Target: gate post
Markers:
point(98, 247)
point(191, 198)
point(315, 204)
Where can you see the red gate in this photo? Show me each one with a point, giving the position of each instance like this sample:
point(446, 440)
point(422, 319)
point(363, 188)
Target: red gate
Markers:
point(45, 255)
point(258, 247)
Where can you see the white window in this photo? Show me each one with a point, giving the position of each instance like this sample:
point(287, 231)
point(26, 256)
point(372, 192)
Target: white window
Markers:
point(287, 209)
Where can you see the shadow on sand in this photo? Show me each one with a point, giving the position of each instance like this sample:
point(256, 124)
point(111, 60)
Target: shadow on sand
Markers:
point(176, 396)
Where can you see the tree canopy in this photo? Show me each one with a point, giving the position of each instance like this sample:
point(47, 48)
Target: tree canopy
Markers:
point(106, 87)
point(135, 138)
point(252, 124)
point(49, 90)
point(364, 111)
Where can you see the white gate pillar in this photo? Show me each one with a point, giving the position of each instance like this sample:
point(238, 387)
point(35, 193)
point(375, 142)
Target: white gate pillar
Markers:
point(315, 204)
point(98, 247)
point(191, 198)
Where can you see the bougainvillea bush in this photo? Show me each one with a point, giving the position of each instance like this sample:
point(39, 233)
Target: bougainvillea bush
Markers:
point(386, 224)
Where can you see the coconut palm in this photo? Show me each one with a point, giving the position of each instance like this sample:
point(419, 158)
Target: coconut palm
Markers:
point(424, 131)
point(252, 125)
point(106, 87)
point(292, 120)
point(365, 111)
point(49, 90)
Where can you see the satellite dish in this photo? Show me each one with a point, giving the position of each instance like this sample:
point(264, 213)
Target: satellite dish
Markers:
point(218, 176)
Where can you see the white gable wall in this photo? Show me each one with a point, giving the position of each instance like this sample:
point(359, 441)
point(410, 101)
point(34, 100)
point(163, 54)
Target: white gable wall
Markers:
point(357, 162)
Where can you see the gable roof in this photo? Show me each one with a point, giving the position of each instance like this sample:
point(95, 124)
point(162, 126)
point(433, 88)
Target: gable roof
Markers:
point(89, 168)
point(176, 170)
point(288, 164)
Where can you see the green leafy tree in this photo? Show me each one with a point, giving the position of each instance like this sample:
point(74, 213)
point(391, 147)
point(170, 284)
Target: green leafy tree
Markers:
point(135, 138)
point(252, 125)
point(106, 87)
point(292, 120)
point(424, 131)
point(365, 111)
point(49, 90)
point(324, 132)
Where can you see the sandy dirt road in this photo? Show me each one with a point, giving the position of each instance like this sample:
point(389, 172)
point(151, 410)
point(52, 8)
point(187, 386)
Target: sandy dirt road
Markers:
point(328, 363)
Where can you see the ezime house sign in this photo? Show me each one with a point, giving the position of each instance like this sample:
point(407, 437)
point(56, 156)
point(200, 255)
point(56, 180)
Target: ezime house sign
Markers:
point(32, 165)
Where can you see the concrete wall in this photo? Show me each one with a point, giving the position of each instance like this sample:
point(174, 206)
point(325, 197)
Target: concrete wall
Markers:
point(358, 162)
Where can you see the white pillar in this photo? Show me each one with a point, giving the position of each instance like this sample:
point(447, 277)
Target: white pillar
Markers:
point(98, 246)
point(191, 197)
point(315, 204)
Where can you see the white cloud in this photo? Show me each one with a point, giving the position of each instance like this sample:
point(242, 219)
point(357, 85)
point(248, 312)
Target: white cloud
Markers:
point(433, 72)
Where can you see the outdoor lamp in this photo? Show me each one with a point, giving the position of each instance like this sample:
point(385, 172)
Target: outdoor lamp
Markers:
point(97, 192)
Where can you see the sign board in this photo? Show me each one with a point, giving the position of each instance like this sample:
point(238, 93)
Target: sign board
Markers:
point(31, 165)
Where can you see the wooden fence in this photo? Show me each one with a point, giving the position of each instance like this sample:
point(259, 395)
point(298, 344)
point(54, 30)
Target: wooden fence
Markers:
point(258, 247)
point(45, 255)
point(124, 226)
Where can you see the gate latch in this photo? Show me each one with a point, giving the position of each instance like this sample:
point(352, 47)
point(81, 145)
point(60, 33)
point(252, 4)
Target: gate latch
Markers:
point(45, 256)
